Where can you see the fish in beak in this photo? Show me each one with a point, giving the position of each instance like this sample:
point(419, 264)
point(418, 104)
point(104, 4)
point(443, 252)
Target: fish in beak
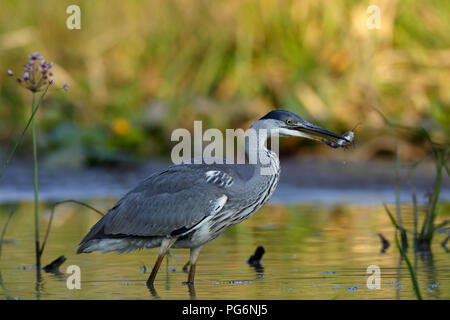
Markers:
point(313, 132)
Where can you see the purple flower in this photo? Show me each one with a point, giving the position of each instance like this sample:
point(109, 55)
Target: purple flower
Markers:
point(37, 76)
point(45, 66)
point(35, 56)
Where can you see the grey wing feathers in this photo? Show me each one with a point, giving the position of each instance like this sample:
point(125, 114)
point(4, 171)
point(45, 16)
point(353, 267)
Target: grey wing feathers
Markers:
point(178, 197)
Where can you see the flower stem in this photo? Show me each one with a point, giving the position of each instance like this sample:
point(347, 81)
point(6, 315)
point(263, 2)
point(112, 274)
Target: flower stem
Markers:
point(36, 196)
point(13, 151)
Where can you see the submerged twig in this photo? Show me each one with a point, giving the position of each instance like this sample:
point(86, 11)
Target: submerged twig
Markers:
point(257, 256)
point(52, 213)
point(384, 243)
point(255, 259)
point(444, 244)
point(80, 203)
point(53, 267)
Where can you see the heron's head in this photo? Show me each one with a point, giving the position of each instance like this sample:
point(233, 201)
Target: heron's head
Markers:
point(289, 124)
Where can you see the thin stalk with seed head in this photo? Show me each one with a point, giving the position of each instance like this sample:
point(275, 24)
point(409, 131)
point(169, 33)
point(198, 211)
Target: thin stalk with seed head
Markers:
point(36, 189)
point(37, 77)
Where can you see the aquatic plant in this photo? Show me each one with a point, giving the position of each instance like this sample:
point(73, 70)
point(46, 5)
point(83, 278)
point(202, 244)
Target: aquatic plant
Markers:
point(37, 78)
point(422, 240)
point(399, 224)
point(439, 153)
point(402, 251)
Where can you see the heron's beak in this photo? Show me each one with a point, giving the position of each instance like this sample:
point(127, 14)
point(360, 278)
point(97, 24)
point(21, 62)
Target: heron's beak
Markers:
point(311, 131)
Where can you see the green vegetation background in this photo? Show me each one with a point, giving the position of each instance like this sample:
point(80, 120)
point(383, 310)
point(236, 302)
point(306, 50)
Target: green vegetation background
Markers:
point(137, 70)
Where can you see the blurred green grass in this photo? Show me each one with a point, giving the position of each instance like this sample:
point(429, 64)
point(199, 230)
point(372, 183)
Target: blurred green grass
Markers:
point(137, 70)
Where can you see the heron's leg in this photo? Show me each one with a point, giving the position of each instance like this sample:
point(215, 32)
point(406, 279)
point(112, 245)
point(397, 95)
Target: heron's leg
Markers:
point(165, 245)
point(195, 252)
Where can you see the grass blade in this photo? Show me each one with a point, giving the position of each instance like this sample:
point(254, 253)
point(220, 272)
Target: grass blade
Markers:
point(410, 268)
point(30, 120)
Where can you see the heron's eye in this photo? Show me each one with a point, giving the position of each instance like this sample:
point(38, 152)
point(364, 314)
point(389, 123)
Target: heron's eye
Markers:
point(289, 121)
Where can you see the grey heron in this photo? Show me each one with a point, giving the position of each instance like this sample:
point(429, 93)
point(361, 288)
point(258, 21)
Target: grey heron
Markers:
point(188, 205)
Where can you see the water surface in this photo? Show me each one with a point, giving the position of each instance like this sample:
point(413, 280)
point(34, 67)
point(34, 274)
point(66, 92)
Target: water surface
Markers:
point(312, 252)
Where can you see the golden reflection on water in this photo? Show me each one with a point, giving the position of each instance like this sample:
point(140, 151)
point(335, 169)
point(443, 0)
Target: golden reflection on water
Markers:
point(312, 252)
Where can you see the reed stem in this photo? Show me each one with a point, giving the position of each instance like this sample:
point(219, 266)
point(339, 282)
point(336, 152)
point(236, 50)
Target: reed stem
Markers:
point(36, 191)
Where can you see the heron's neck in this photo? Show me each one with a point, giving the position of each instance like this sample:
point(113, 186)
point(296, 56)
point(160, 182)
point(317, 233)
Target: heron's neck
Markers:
point(265, 161)
point(266, 169)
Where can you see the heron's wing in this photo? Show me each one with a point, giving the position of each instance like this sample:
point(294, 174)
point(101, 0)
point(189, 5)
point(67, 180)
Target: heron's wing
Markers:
point(174, 200)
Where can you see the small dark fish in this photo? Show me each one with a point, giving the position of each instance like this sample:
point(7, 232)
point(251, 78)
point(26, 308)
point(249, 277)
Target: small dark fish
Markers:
point(350, 136)
point(343, 143)
point(332, 143)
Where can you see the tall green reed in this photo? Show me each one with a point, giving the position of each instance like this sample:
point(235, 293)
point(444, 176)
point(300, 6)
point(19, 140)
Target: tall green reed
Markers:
point(403, 254)
point(37, 77)
point(422, 239)
point(439, 154)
